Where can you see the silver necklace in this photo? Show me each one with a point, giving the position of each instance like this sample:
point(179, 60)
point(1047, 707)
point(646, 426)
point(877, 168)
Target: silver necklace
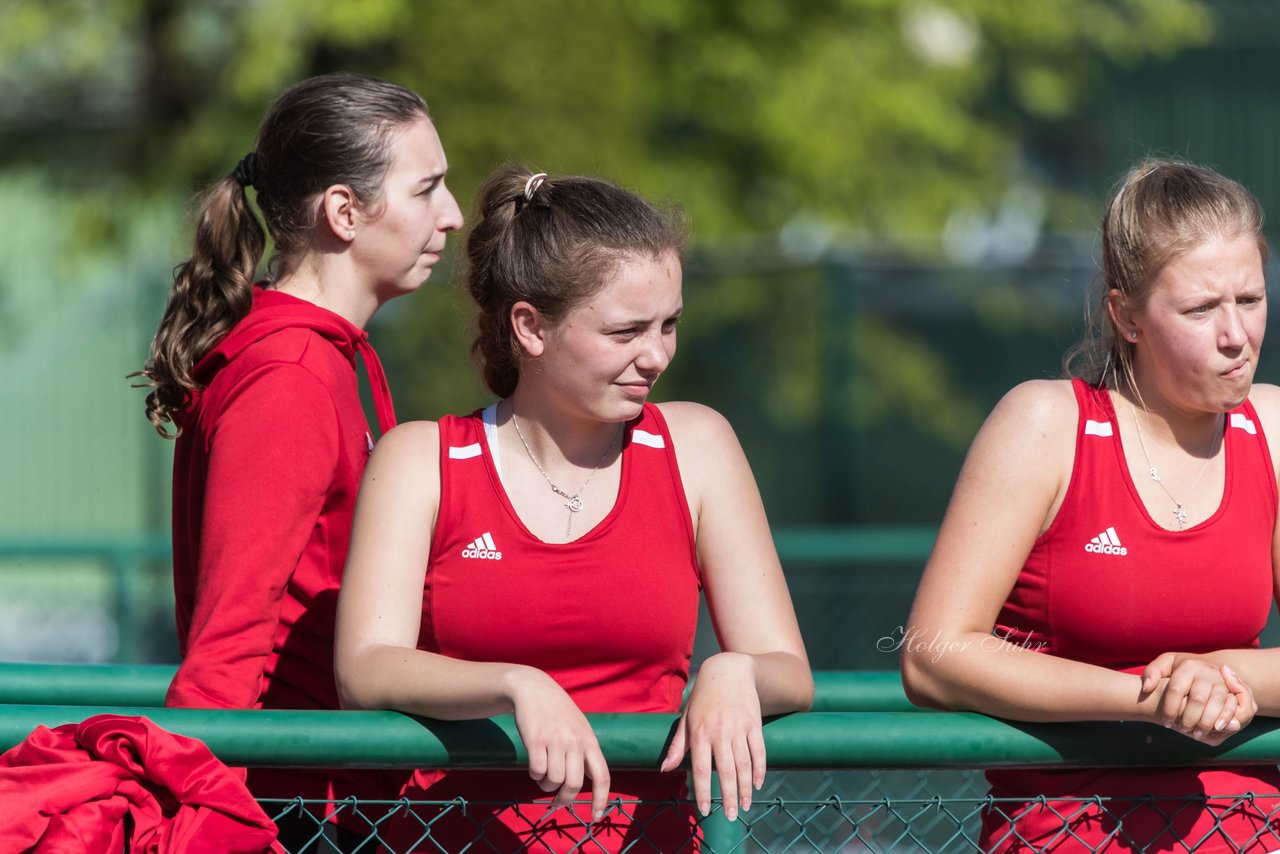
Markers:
point(1178, 512)
point(573, 502)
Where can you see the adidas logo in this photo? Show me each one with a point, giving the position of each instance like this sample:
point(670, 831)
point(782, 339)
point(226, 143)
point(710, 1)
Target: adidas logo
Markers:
point(483, 548)
point(1106, 543)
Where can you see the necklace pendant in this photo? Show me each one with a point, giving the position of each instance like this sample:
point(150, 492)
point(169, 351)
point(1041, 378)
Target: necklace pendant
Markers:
point(1181, 516)
point(574, 504)
point(1155, 475)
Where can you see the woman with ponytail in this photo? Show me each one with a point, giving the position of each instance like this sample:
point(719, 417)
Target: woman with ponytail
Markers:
point(259, 384)
point(544, 556)
point(1111, 547)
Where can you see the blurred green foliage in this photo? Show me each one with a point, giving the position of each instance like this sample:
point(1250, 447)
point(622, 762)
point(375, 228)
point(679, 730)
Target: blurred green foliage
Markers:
point(789, 132)
point(872, 114)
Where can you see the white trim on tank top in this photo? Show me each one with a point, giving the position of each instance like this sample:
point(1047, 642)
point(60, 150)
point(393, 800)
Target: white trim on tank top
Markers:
point(490, 419)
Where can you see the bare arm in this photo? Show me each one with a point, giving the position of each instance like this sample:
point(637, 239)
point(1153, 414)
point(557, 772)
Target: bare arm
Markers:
point(378, 664)
point(763, 668)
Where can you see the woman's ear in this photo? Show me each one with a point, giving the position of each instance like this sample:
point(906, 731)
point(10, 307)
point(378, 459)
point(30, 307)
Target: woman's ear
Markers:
point(1122, 316)
point(529, 328)
point(339, 208)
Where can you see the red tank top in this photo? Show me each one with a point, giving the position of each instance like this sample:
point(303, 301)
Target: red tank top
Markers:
point(609, 616)
point(1107, 585)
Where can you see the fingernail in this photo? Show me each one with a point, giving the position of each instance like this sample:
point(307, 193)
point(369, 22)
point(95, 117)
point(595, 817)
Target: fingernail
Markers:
point(1234, 725)
point(746, 803)
point(1222, 722)
point(1197, 734)
point(597, 815)
point(731, 813)
point(704, 808)
point(758, 783)
point(1229, 671)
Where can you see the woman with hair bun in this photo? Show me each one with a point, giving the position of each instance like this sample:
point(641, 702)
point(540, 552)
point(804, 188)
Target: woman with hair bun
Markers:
point(1111, 548)
point(260, 382)
point(544, 556)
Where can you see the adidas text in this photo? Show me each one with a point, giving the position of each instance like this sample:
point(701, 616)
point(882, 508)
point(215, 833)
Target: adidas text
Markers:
point(483, 548)
point(1106, 543)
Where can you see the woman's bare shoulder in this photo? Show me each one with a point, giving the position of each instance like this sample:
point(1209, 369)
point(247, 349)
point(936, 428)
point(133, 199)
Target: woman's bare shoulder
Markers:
point(411, 444)
point(1035, 414)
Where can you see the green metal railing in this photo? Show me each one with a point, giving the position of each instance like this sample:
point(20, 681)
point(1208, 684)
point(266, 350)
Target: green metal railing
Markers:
point(85, 684)
point(51, 694)
point(812, 740)
point(146, 684)
point(860, 691)
point(871, 741)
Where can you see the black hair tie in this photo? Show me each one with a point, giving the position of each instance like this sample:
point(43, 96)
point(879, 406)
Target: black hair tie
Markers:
point(246, 171)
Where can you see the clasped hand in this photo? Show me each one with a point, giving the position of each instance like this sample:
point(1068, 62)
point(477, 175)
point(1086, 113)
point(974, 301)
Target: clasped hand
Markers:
point(1198, 698)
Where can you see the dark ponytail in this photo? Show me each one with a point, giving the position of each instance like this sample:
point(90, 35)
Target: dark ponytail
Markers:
point(553, 243)
point(212, 292)
point(327, 130)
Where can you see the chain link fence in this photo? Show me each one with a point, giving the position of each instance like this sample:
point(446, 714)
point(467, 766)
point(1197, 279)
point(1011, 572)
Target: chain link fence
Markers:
point(844, 812)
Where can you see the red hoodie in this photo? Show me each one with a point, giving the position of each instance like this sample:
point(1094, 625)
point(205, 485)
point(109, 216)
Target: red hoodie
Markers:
point(118, 783)
point(264, 487)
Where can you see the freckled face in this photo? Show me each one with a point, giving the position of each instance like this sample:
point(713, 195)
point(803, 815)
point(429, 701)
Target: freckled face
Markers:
point(604, 356)
point(1201, 331)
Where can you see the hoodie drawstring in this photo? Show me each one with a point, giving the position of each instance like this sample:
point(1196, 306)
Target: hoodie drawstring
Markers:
point(377, 384)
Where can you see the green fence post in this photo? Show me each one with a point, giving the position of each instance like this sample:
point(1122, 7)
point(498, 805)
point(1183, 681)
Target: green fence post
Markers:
point(719, 835)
